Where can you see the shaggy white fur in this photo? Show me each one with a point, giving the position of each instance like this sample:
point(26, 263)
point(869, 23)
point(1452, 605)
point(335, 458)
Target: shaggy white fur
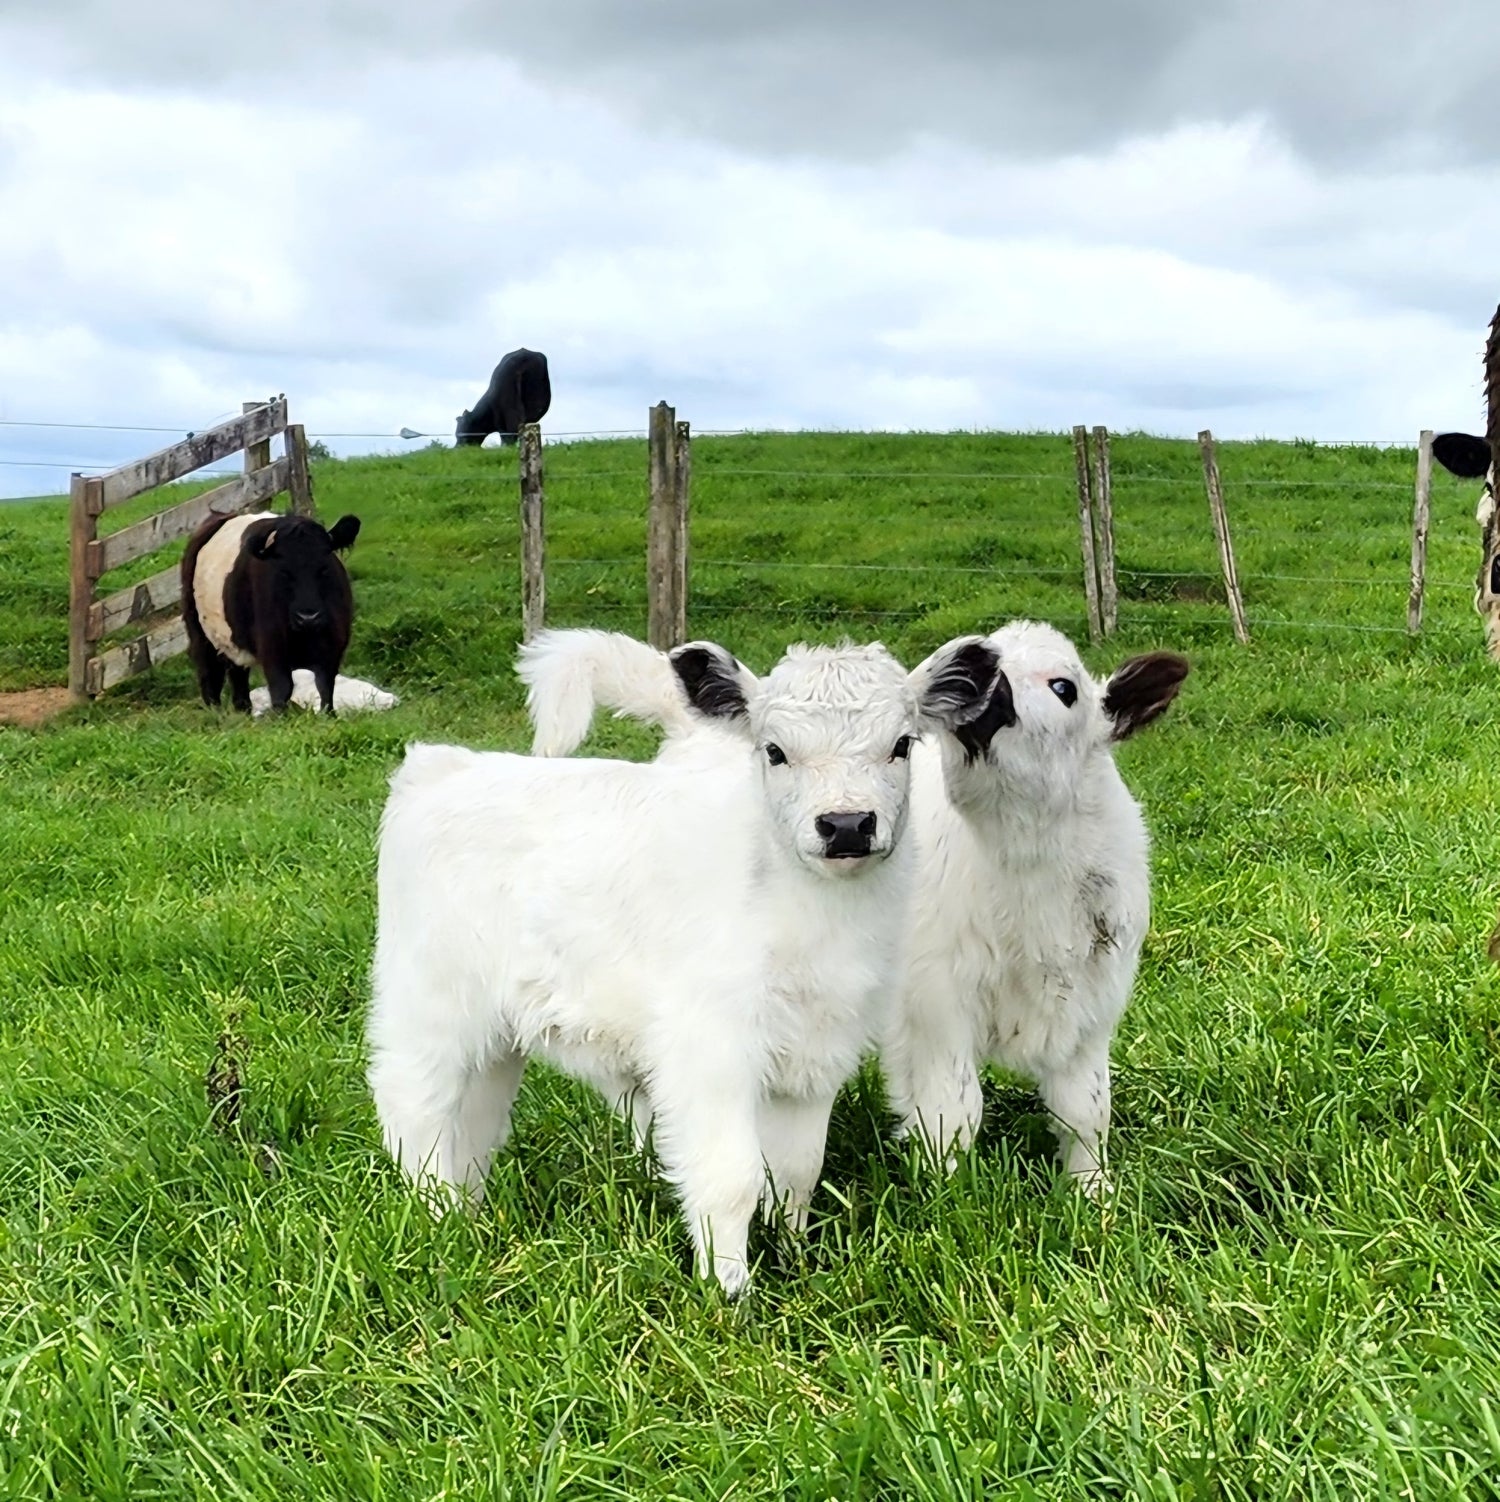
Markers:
point(711, 943)
point(1033, 883)
point(1034, 898)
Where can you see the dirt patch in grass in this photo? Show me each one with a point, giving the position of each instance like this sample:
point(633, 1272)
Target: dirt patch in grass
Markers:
point(32, 706)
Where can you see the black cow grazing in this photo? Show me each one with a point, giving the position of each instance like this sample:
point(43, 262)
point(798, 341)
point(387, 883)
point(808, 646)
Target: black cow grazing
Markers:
point(1471, 458)
point(520, 392)
point(267, 589)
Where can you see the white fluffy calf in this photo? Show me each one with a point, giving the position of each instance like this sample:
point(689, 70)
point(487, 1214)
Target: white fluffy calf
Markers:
point(710, 944)
point(1034, 897)
point(1033, 882)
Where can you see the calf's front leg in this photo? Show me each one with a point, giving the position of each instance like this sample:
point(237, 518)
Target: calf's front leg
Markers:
point(704, 1129)
point(1077, 1097)
point(793, 1136)
point(933, 1074)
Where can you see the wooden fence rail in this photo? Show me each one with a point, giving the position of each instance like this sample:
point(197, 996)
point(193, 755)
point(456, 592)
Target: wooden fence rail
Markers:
point(91, 668)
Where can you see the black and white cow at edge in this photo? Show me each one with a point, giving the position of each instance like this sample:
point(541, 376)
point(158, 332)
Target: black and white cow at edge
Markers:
point(268, 589)
point(520, 391)
point(1472, 458)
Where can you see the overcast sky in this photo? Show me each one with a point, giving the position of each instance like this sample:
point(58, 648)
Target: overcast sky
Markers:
point(1279, 217)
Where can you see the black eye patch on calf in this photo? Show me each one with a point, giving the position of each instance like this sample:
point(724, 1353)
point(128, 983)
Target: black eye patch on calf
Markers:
point(999, 714)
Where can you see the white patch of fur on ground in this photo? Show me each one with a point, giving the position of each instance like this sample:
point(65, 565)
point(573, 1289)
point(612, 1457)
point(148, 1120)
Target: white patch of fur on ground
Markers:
point(350, 695)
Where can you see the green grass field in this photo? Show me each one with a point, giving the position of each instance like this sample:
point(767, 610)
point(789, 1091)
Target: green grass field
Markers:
point(1294, 1293)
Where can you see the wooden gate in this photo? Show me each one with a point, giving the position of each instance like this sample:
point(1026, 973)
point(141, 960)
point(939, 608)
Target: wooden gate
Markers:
point(148, 606)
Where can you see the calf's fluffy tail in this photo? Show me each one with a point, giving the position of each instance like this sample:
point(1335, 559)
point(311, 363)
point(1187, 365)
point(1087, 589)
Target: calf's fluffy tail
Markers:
point(568, 674)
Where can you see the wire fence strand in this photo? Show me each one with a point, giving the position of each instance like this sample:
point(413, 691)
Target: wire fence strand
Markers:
point(1002, 570)
point(1133, 618)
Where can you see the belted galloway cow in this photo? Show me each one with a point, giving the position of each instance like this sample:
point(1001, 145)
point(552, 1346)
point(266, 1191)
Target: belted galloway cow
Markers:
point(272, 590)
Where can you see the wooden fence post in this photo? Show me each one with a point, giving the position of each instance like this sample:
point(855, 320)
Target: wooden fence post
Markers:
point(299, 475)
point(86, 498)
point(257, 455)
point(1221, 532)
point(1419, 532)
point(1104, 518)
point(1086, 530)
point(533, 534)
point(663, 533)
point(682, 474)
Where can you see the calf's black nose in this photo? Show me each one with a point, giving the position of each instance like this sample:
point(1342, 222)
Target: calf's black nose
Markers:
point(307, 617)
point(845, 834)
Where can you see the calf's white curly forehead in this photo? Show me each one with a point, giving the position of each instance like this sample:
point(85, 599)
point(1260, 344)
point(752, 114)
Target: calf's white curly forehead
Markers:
point(856, 690)
point(842, 677)
point(1020, 640)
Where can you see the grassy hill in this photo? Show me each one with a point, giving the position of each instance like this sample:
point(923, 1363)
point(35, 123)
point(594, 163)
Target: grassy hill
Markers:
point(1293, 1294)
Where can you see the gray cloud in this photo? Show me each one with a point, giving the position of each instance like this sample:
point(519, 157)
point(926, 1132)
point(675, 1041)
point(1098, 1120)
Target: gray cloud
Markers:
point(1345, 81)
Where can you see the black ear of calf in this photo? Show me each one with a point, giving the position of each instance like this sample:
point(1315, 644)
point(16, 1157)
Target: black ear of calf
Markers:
point(343, 532)
point(1142, 689)
point(707, 675)
point(960, 681)
point(998, 714)
point(1462, 454)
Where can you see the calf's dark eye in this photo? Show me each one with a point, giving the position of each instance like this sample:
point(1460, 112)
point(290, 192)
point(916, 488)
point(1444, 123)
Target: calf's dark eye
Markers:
point(902, 749)
point(776, 756)
point(1065, 689)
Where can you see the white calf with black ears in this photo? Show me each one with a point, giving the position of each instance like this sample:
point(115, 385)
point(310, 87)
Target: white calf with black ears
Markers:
point(1033, 895)
point(1032, 880)
point(712, 940)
